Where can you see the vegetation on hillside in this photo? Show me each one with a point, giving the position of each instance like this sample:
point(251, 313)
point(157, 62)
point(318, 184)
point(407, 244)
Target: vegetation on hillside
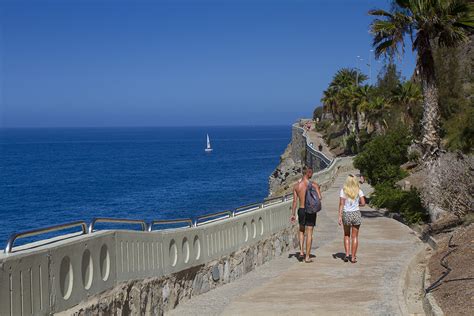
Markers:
point(380, 162)
point(429, 24)
point(434, 107)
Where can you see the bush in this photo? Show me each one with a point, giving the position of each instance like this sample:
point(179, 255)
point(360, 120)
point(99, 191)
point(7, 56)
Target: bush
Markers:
point(351, 144)
point(406, 203)
point(381, 157)
point(459, 130)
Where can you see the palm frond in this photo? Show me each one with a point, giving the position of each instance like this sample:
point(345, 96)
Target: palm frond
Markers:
point(380, 13)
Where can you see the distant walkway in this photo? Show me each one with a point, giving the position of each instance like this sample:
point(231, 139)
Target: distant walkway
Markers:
point(328, 286)
point(317, 139)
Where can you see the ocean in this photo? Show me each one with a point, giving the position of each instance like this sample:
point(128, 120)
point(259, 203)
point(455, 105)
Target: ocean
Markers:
point(56, 175)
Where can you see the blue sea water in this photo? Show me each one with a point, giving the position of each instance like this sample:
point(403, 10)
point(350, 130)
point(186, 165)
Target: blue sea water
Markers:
point(51, 176)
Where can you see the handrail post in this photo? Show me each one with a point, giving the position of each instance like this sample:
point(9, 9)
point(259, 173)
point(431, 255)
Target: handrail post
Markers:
point(91, 225)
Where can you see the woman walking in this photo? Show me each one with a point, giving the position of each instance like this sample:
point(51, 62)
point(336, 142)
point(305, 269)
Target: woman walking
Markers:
point(350, 198)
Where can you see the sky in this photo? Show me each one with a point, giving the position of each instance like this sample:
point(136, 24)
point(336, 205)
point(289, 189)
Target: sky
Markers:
point(100, 63)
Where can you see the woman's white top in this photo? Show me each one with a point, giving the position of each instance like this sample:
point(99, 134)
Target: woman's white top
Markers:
point(351, 205)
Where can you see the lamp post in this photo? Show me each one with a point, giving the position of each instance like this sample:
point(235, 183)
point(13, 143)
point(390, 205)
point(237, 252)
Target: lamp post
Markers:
point(357, 69)
point(370, 66)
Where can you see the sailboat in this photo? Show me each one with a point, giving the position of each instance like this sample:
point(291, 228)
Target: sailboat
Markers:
point(208, 147)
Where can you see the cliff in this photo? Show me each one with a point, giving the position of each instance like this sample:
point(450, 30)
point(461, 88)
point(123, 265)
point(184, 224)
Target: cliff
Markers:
point(300, 151)
point(289, 169)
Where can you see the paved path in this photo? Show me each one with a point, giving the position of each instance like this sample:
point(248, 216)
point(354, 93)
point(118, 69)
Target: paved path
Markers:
point(316, 138)
point(328, 286)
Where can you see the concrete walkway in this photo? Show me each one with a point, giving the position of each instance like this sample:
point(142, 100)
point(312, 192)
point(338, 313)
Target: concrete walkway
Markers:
point(329, 286)
point(317, 139)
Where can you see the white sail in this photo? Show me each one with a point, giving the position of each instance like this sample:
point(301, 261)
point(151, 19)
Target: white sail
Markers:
point(208, 147)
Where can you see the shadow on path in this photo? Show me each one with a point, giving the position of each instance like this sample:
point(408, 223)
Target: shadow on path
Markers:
point(371, 214)
point(297, 256)
point(339, 255)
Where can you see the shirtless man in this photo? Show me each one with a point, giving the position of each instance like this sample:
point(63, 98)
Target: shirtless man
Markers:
point(305, 220)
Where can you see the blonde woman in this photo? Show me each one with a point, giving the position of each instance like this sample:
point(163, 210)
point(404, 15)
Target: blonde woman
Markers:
point(350, 198)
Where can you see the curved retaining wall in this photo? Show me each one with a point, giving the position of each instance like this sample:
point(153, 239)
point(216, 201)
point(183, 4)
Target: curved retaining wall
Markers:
point(55, 275)
point(312, 157)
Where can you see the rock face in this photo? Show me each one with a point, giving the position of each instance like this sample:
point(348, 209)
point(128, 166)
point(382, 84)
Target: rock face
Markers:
point(290, 167)
point(446, 186)
point(450, 187)
point(285, 173)
point(154, 296)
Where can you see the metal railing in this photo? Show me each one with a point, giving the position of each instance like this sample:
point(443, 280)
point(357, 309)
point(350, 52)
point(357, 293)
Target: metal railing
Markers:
point(319, 154)
point(96, 220)
point(44, 230)
point(221, 215)
point(313, 150)
point(217, 216)
point(170, 221)
point(248, 208)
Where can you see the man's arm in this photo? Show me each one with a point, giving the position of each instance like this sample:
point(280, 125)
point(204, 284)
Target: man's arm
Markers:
point(293, 206)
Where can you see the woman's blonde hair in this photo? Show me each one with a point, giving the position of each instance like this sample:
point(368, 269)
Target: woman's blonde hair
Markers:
point(351, 187)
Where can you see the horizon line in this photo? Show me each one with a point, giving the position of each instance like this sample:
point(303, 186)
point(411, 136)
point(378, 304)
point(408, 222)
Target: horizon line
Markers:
point(143, 126)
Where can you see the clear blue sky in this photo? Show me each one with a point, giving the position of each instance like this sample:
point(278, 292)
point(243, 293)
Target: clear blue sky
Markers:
point(156, 63)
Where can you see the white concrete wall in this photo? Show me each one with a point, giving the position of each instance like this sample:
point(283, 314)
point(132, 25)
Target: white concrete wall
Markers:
point(55, 275)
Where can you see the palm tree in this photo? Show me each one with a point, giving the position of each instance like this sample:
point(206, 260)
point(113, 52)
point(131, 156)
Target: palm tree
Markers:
point(446, 23)
point(374, 111)
point(337, 99)
point(329, 102)
point(408, 94)
point(364, 95)
point(346, 77)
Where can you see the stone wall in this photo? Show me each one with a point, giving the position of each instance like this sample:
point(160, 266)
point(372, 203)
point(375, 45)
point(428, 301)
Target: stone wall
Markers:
point(291, 162)
point(154, 296)
point(298, 145)
point(314, 161)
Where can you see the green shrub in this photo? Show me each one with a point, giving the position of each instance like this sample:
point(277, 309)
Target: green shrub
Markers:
point(459, 130)
point(381, 157)
point(406, 203)
point(351, 144)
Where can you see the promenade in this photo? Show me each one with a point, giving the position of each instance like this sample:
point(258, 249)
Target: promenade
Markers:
point(328, 286)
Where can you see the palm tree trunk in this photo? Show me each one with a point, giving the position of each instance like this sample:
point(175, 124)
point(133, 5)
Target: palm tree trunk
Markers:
point(357, 130)
point(430, 120)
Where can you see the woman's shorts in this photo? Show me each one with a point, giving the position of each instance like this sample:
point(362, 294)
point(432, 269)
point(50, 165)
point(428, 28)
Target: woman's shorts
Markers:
point(351, 218)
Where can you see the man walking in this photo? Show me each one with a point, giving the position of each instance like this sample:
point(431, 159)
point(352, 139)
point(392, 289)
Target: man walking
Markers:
point(306, 220)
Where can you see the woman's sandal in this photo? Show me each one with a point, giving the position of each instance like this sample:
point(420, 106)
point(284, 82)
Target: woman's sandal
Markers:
point(346, 259)
point(308, 261)
point(354, 260)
